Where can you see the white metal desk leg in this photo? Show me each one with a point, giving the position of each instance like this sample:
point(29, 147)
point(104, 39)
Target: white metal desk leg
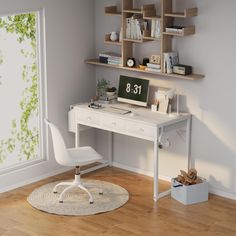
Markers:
point(156, 165)
point(110, 148)
point(77, 136)
point(188, 141)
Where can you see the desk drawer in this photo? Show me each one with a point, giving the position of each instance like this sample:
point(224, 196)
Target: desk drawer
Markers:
point(88, 117)
point(141, 130)
point(113, 123)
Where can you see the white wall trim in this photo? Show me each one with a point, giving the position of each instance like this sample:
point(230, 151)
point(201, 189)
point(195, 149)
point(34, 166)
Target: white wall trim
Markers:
point(167, 178)
point(140, 171)
point(53, 173)
point(35, 179)
point(115, 164)
point(222, 193)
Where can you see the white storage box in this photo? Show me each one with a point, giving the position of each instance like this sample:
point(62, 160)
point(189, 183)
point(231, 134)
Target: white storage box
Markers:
point(190, 194)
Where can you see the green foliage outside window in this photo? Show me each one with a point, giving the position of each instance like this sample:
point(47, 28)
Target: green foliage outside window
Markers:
point(24, 25)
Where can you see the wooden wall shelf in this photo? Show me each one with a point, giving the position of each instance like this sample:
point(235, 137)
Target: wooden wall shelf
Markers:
point(108, 41)
point(152, 18)
point(151, 38)
point(188, 30)
point(189, 12)
point(133, 11)
point(112, 10)
point(117, 43)
point(186, 77)
point(148, 12)
point(134, 40)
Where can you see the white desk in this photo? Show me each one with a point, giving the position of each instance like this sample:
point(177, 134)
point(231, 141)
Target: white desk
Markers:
point(141, 123)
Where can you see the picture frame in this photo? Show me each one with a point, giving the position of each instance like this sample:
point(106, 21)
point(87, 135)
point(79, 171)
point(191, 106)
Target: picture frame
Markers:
point(162, 101)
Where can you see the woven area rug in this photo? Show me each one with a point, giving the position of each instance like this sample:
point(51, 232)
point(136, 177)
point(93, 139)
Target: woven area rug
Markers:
point(76, 201)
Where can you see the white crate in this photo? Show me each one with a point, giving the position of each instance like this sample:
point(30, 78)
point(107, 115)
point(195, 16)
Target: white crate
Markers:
point(190, 194)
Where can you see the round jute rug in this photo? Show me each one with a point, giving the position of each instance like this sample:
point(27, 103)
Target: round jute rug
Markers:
point(76, 201)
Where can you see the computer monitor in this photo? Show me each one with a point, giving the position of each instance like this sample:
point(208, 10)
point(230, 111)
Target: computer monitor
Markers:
point(133, 90)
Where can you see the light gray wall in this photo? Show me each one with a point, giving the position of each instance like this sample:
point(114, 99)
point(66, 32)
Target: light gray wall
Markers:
point(210, 51)
point(69, 40)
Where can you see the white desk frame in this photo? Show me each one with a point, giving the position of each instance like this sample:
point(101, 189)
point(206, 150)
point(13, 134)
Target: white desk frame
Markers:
point(83, 115)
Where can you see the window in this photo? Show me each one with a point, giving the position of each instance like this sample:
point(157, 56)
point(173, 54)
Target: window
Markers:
point(20, 90)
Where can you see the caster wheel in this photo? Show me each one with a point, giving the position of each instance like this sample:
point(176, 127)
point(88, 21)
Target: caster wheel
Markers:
point(91, 202)
point(101, 193)
point(60, 201)
point(54, 192)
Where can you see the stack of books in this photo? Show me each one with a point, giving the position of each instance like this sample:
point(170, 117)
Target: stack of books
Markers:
point(153, 67)
point(107, 99)
point(110, 58)
point(135, 27)
point(175, 29)
point(156, 28)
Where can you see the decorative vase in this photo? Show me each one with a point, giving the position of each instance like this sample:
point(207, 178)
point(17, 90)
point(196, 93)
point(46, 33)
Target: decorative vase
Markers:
point(113, 36)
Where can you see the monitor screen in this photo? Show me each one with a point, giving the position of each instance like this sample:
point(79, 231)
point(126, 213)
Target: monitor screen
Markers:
point(133, 90)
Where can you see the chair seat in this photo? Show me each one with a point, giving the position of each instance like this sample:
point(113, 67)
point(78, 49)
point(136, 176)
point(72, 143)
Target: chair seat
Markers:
point(83, 156)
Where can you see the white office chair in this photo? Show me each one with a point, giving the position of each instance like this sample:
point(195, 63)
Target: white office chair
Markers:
point(76, 157)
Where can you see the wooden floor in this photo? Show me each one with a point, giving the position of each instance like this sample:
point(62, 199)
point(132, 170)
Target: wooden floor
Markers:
point(140, 216)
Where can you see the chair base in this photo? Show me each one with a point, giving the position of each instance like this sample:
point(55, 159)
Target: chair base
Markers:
point(76, 184)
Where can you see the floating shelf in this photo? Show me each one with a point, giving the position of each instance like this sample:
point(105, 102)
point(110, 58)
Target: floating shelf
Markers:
point(151, 38)
point(152, 18)
point(108, 41)
point(112, 10)
point(134, 40)
point(189, 12)
point(117, 43)
point(147, 36)
point(188, 30)
point(133, 11)
point(186, 77)
point(148, 12)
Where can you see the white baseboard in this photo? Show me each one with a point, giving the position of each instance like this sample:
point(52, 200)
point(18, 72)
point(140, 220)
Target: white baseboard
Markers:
point(115, 164)
point(222, 193)
point(140, 171)
point(167, 178)
point(32, 180)
point(53, 173)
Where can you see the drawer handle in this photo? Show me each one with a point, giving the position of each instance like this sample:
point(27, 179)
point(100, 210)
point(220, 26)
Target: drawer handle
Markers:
point(141, 130)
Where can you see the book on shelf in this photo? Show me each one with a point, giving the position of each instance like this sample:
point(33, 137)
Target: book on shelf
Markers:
point(135, 27)
point(154, 66)
point(109, 57)
point(156, 28)
point(170, 59)
point(116, 63)
point(153, 69)
point(103, 60)
point(128, 28)
point(174, 29)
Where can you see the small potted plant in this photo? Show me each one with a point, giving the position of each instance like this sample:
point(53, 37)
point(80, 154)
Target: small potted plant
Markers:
point(111, 91)
point(102, 86)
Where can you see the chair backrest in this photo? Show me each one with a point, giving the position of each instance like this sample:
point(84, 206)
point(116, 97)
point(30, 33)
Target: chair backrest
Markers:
point(60, 151)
